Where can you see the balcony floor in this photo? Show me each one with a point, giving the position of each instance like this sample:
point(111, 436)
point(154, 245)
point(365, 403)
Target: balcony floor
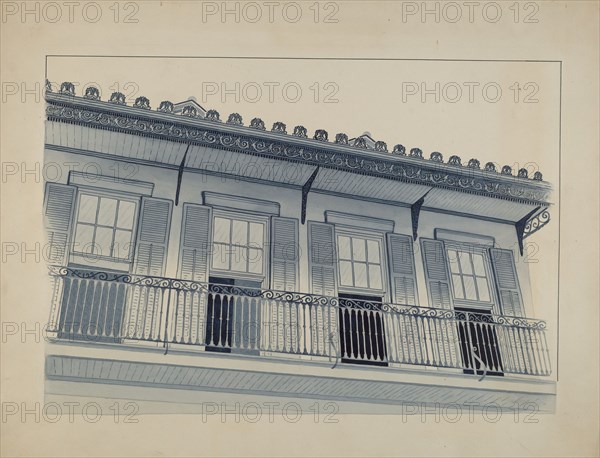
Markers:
point(184, 377)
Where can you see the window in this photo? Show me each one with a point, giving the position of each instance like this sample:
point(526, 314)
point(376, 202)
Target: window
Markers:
point(104, 227)
point(469, 274)
point(238, 245)
point(360, 262)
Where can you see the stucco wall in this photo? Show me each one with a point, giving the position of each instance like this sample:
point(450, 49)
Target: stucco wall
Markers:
point(289, 198)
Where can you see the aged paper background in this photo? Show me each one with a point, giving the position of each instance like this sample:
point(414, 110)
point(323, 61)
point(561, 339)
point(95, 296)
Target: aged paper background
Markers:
point(369, 98)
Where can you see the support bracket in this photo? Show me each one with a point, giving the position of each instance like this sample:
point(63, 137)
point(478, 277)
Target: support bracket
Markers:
point(305, 191)
point(180, 175)
point(536, 222)
point(415, 210)
point(522, 225)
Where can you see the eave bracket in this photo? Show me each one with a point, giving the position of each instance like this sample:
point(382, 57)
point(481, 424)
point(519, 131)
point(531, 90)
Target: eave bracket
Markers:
point(180, 175)
point(305, 191)
point(530, 224)
point(415, 210)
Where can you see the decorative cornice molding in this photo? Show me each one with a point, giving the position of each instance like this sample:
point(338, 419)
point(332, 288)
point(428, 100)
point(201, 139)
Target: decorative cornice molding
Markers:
point(319, 152)
point(360, 221)
point(217, 199)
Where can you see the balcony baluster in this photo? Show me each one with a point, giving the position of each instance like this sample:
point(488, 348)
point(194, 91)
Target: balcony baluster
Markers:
point(122, 308)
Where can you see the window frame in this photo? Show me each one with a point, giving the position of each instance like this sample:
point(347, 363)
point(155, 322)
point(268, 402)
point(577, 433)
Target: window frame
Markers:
point(472, 248)
point(383, 262)
point(248, 217)
point(78, 258)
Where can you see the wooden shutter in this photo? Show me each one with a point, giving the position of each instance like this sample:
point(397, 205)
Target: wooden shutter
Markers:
point(402, 269)
point(194, 247)
point(284, 253)
point(436, 273)
point(59, 204)
point(284, 276)
point(322, 264)
point(509, 293)
point(322, 259)
point(443, 331)
point(505, 271)
point(404, 336)
point(193, 264)
point(152, 236)
point(144, 303)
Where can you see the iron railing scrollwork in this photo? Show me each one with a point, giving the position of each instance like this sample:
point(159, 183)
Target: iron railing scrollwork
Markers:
point(98, 306)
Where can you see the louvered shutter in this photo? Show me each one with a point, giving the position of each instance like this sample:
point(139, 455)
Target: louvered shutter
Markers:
point(405, 338)
point(503, 262)
point(284, 323)
point(444, 334)
point(322, 259)
point(194, 261)
point(512, 339)
point(322, 264)
point(194, 250)
point(436, 273)
point(144, 303)
point(284, 253)
point(152, 236)
point(402, 269)
point(59, 203)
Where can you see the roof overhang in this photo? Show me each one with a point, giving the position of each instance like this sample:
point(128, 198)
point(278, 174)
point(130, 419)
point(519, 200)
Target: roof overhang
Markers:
point(230, 149)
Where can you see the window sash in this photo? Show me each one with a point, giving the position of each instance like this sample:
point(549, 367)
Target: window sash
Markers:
point(361, 256)
point(469, 282)
point(108, 250)
point(240, 258)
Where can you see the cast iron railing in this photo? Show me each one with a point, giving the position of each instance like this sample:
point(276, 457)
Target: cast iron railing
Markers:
point(112, 307)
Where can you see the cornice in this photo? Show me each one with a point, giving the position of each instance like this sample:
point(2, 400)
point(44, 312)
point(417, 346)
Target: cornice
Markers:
point(277, 144)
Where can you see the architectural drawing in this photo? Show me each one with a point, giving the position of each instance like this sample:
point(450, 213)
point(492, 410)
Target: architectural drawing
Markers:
point(207, 255)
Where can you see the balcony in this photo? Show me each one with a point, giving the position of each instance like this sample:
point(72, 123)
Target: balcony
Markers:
point(129, 310)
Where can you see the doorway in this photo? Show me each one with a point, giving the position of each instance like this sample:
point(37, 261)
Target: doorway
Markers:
point(233, 318)
point(362, 330)
point(479, 346)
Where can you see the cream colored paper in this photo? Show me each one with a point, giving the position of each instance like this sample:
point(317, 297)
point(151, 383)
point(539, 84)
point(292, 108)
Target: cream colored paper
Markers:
point(348, 66)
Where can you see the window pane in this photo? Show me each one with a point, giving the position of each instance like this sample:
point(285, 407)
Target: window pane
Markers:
point(83, 238)
point(255, 261)
point(239, 259)
point(375, 277)
point(470, 292)
point(103, 241)
point(373, 251)
point(346, 273)
point(484, 291)
point(360, 275)
point(87, 209)
point(240, 232)
point(344, 247)
point(107, 211)
point(465, 262)
point(126, 214)
point(453, 260)
point(358, 249)
point(478, 264)
point(220, 258)
point(256, 235)
point(122, 244)
point(221, 230)
point(458, 289)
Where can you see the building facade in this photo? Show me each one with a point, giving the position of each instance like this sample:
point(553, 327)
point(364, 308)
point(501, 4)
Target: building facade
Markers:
point(195, 259)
